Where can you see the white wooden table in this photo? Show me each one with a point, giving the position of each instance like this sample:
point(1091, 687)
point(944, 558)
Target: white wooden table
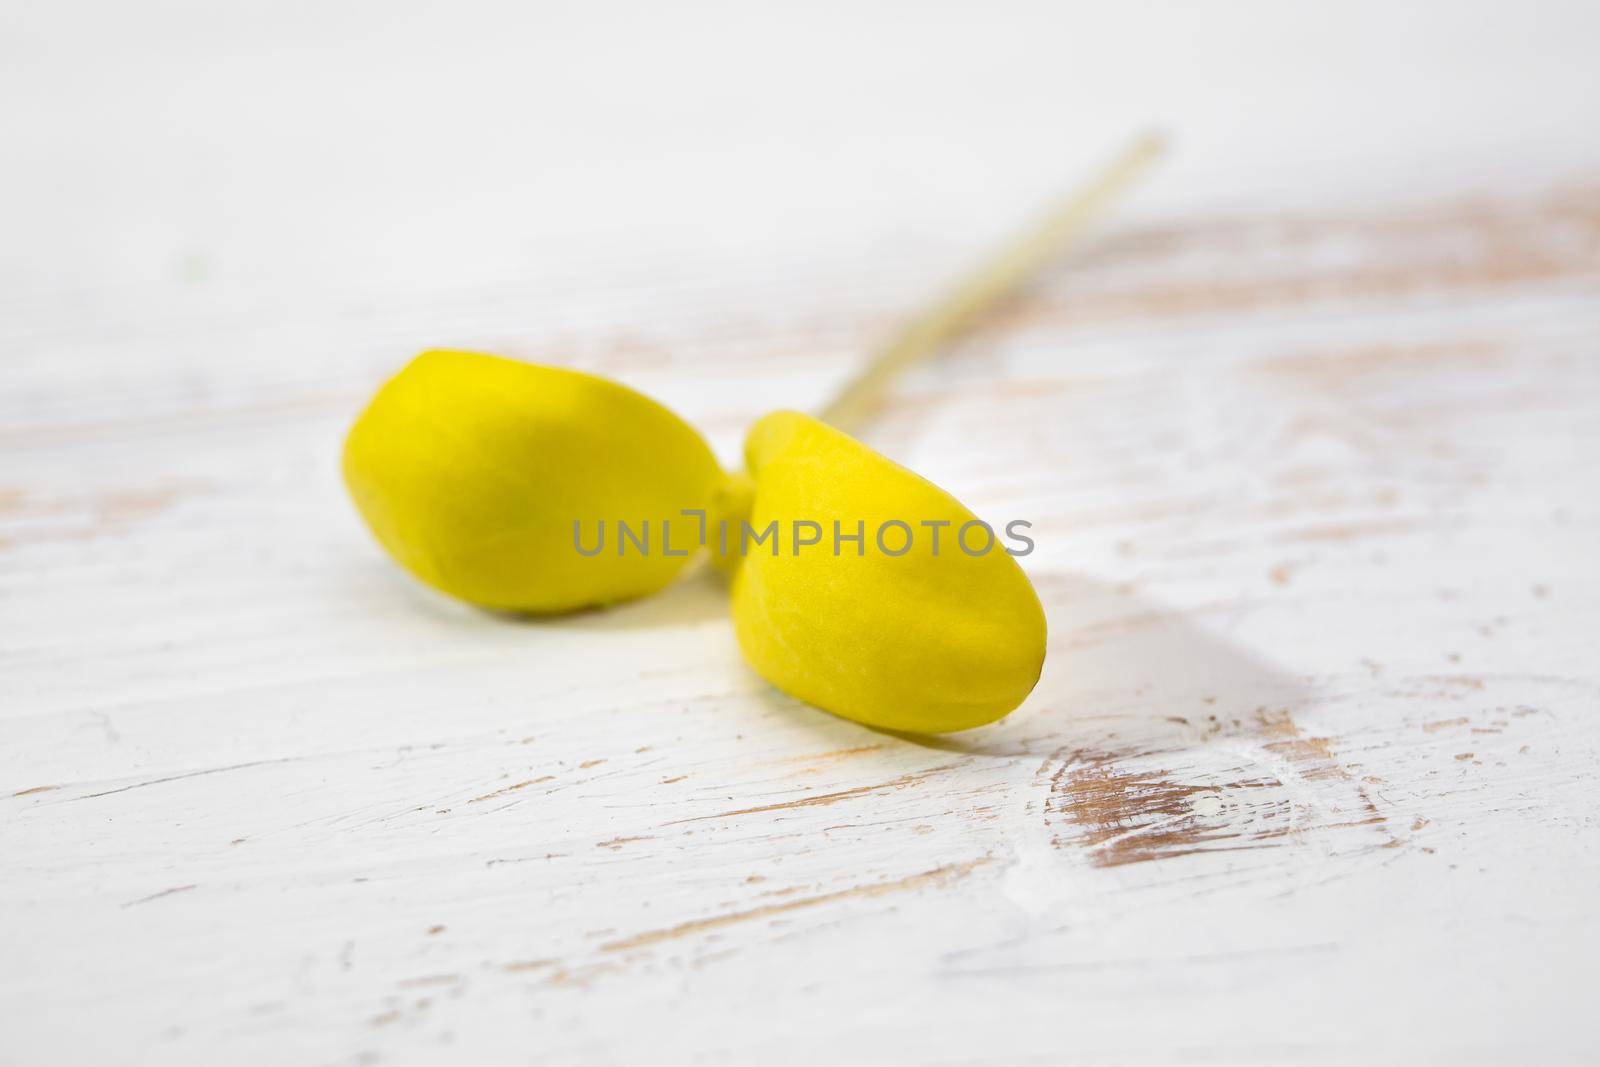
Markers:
point(1309, 436)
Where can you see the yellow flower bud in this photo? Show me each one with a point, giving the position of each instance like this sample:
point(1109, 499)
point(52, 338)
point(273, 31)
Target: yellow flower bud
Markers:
point(472, 470)
point(928, 640)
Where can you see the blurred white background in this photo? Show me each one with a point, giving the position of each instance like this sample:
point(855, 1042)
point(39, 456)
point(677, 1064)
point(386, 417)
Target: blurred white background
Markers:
point(347, 146)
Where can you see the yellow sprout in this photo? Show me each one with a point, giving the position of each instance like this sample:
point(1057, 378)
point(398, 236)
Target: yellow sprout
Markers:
point(497, 482)
point(472, 470)
point(904, 628)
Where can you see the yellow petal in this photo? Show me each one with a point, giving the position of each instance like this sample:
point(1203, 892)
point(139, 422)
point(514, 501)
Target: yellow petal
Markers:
point(922, 641)
point(472, 469)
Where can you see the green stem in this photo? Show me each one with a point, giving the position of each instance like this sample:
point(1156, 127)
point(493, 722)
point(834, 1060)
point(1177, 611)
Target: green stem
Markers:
point(978, 293)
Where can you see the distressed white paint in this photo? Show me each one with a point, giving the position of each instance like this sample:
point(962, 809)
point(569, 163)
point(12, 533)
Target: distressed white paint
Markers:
point(1309, 776)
